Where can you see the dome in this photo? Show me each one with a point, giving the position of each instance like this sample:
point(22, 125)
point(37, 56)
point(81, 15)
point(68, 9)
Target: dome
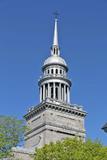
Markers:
point(55, 60)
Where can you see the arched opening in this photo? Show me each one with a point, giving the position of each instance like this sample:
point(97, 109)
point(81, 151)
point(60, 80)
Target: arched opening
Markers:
point(54, 50)
point(62, 92)
point(57, 51)
point(56, 93)
point(51, 71)
point(42, 92)
point(56, 71)
point(51, 92)
point(60, 71)
point(46, 90)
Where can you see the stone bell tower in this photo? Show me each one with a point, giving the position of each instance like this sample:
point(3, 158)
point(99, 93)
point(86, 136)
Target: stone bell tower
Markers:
point(55, 118)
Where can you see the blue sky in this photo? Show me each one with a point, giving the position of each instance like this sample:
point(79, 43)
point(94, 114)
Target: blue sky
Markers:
point(26, 34)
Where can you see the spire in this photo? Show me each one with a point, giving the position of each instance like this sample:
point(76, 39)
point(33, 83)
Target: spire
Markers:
point(55, 39)
point(55, 47)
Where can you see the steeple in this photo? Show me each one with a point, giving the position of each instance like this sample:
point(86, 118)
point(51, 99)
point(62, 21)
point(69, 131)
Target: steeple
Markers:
point(54, 84)
point(55, 47)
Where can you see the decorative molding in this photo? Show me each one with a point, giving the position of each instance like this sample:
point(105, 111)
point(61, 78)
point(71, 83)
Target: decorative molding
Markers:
point(36, 119)
point(55, 106)
point(44, 78)
point(52, 64)
point(54, 129)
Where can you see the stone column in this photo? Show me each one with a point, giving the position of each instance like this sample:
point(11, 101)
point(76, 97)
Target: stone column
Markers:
point(40, 94)
point(59, 92)
point(62, 90)
point(54, 90)
point(48, 90)
point(44, 92)
point(68, 94)
point(64, 93)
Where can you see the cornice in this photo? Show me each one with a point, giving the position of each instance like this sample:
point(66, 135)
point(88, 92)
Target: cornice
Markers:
point(54, 77)
point(45, 66)
point(55, 106)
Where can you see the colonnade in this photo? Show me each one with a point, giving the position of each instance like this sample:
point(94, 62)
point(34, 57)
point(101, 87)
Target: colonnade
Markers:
point(55, 90)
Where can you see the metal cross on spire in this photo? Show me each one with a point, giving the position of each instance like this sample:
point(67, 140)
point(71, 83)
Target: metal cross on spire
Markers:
point(56, 15)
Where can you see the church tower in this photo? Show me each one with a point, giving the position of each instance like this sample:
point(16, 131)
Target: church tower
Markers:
point(55, 118)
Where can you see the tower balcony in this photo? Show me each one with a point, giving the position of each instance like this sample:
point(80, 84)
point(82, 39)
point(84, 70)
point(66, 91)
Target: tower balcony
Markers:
point(54, 76)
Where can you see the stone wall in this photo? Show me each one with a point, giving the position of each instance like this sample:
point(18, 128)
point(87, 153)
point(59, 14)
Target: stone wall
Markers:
point(51, 125)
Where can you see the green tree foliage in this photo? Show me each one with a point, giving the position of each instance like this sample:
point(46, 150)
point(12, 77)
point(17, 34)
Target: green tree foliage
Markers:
point(72, 149)
point(11, 133)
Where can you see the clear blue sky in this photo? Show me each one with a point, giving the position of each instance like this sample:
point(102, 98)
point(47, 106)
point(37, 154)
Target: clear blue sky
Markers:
point(26, 33)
